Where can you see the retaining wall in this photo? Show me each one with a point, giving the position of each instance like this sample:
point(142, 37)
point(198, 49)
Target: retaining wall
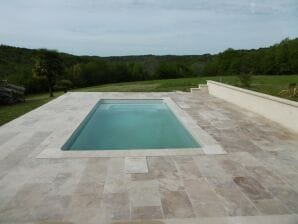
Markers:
point(283, 111)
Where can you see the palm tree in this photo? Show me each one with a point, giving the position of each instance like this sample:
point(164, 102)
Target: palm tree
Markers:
point(48, 66)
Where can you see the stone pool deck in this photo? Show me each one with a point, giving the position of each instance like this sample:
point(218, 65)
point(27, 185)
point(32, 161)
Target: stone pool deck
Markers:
point(254, 181)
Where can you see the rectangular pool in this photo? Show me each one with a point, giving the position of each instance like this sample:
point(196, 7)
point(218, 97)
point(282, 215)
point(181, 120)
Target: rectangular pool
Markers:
point(130, 124)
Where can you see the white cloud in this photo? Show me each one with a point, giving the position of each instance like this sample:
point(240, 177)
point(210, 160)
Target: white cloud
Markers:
point(119, 27)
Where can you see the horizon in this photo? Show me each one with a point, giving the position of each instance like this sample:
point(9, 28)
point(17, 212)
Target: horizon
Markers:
point(138, 28)
point(144, 55)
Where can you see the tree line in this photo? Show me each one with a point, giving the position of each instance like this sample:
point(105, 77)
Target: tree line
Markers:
point(30, 68)
point(279, 59)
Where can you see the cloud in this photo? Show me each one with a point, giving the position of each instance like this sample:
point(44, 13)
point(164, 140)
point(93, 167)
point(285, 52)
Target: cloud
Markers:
point(117, 27)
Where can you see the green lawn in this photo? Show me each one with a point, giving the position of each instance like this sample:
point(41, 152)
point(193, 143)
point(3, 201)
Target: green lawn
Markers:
point(267, 84)
point(10, 112)
point(271, 85)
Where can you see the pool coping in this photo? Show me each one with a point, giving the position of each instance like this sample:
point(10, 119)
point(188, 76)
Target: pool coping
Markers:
point(51, 147)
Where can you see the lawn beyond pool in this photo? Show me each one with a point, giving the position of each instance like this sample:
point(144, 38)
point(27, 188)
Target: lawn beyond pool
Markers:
point(271, 85)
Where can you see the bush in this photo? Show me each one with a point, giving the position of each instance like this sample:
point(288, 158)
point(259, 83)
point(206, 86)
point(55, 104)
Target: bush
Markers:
point(245, 79)
point(64, 85)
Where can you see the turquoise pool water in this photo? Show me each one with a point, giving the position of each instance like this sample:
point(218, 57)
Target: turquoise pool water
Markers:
point(130, 124)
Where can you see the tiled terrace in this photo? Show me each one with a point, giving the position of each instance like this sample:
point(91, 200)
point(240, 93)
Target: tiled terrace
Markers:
point(255, 182)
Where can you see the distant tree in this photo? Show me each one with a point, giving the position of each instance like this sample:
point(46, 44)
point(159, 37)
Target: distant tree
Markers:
point(63, 85)
point(282, 53)
point(197, 68)
point(136, 71)
point(118, 72)
point(75, 74)
point(94, 73)
point(168, 70)
point(245, 79)
point(16, 66)
point(48, 66)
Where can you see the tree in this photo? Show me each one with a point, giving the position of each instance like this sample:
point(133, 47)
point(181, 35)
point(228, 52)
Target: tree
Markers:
point(64, 85)
point(245, 79)
point(48, 66)
point(136, 71)
point(75, 74)
point(168, 70)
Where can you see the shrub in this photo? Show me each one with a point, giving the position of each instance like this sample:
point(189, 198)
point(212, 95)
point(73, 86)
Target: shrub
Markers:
point(64, 85)
point(245, 79)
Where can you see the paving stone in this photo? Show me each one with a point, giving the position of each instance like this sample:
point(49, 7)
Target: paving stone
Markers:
point(116, 206)
point(252, 188)
point(19, 149)
point(29, 195)
point(51, 208)
point(139, 222)
point(98, 190)
point(86, 188)
point(209, 209)
point(246, 159)
point(272, 219)
point(292, 180)
point(176, 204)
point(19, 209)
point(236, 202)
point(158, 167)
point(95, 170)
point(271, 207)
point(85, 201)
point(288, 196)
point(214, 150)
point(232, 167)
point(86, 216)
point(200, 190)
point(119, 184)
point(144, 193)
point(183, 105)
point(209, 166)
point(5, 137)
point(16, 215)
point(204, 199)
point(136, 165)
point(115, 167)
point(65, 183)
point(167, 184)
point(14, 143)
point(36, 171)
point(50, 222)
point(147, 212)
point(187, 167)
point(264, 176)
point(274, 163)
point(61, 179)
point(205, 220)
point(10, 185)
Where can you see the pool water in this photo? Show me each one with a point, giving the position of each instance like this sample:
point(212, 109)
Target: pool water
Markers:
point(130, 124)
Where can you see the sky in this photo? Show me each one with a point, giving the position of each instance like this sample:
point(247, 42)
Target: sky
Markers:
point(138, 27)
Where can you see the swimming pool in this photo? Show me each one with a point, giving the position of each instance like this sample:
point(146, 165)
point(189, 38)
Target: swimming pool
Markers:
point(130, 124)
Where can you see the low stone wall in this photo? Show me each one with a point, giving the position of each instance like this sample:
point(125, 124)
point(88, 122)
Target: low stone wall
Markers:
point(283, 111)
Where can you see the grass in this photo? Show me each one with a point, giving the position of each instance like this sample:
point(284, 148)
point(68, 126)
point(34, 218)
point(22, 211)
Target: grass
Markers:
point(266, 84)
point(271, 85)
point(146, 86)
point(10, 112)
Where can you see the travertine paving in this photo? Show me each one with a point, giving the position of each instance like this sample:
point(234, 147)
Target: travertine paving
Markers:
point(255, 182)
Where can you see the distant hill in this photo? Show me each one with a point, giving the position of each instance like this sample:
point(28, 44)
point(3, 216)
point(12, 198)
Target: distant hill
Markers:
point(279, 59)
point(16, 65)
